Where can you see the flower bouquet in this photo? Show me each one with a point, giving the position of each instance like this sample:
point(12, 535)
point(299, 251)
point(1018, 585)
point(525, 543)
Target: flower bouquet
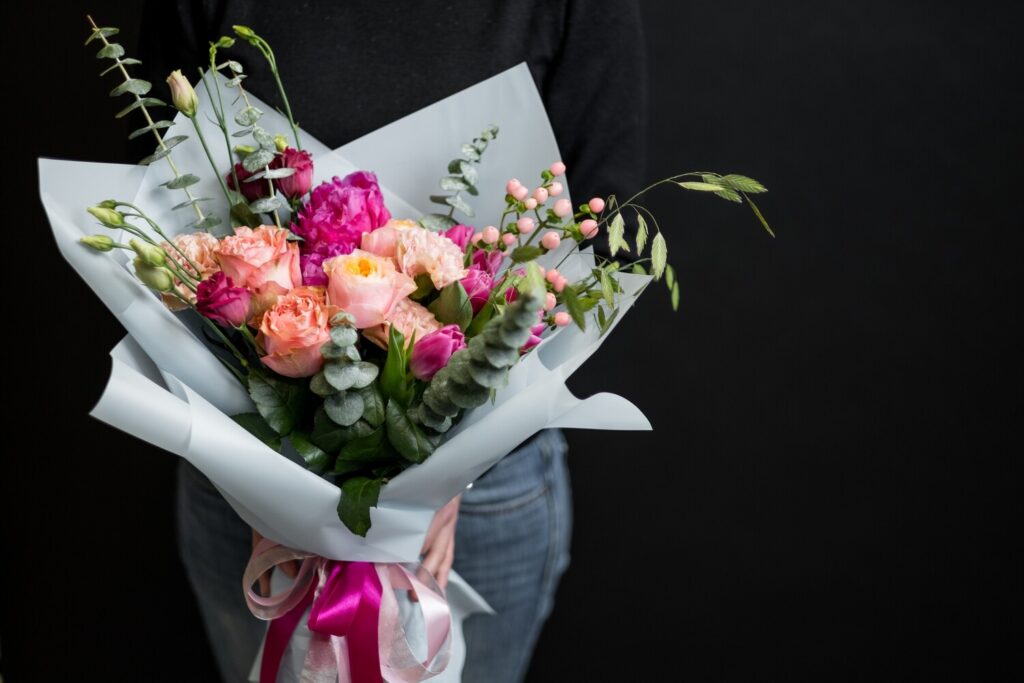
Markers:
point(350, 351)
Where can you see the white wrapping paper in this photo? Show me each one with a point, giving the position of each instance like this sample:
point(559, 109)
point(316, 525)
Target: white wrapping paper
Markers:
point(167, 388)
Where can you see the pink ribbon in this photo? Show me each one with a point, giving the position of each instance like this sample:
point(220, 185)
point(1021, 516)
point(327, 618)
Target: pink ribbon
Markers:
point(358, 635)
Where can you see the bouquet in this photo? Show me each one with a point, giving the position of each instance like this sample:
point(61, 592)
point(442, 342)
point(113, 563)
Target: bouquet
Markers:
point(341, 363)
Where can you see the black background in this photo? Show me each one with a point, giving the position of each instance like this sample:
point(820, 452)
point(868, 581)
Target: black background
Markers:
point(832, 468)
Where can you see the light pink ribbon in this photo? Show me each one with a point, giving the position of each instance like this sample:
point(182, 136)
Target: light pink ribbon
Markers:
point(357, 633)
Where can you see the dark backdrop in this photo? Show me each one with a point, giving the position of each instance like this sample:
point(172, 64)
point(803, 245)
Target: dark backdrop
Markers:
point(829, 488)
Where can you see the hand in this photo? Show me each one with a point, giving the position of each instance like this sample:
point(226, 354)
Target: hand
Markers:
point(439, 545)
point(290, 568)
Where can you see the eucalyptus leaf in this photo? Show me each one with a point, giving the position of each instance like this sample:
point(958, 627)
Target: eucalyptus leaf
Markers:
point(110, 51)
point(469, 152)
point(275, 173)
point(319, 385)
point(244, 133)
point(136, 86)
point(209, 221)
point(248, 116)
point(468, 171)
point(405, 435)
point(358, 495)
point(439, 199)
point(437, 222)
point(659, 255)
point(345, 374)
point(454, 183)
point(457, 202)
point(148, 129)
point(343, 335)
point(257, 160)
point(235, 82)
point(168, 144)
point(143, 102)
point(181, 181)
point(102, 32)
point(265, 205)
point(265, 139)
point(190, 202)
point(344, 408)
point(127, 61)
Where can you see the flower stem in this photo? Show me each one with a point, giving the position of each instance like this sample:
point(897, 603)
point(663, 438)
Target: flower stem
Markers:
point(213, 164)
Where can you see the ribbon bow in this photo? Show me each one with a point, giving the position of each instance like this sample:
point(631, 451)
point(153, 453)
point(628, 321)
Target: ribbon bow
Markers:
point(358, 635)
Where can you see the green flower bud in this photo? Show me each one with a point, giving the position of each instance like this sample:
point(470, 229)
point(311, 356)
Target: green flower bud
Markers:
point(244, 150)
point(98, 242)
point(281, 142)
point(244, 32)
point(109, 204)
point(106, 216)
point(149, 254)
point(182, 94)
point(159, 279)
point(224, 42)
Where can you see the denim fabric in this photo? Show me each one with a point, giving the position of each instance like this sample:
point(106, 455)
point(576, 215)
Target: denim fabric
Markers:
point(512, 543)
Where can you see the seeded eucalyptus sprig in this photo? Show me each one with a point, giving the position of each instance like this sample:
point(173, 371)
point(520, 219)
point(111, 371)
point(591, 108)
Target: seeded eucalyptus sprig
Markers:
point(138, 89)
point(462, 177)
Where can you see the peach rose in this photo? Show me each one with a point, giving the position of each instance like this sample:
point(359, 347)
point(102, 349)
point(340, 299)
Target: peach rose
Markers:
point(411, 319)
point(293, 330)
point(383, 240)
point(418, 250)
point(261, 259)
point(366, 286)
point(201, 248)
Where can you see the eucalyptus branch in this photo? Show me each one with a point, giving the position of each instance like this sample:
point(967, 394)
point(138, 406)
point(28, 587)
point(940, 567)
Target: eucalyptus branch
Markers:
point(263, 46)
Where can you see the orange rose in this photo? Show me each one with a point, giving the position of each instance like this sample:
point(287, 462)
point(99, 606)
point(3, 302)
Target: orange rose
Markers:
point(293, 330)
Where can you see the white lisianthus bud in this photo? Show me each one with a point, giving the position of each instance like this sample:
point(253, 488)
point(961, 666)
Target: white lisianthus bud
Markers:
point(98, 242)
point(159, 279)
point(106, 216)
point(149, 254)
point(182, 94)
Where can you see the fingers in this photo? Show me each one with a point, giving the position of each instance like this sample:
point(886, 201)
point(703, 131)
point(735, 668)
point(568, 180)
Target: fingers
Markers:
point(446, 566)
point(290, 568)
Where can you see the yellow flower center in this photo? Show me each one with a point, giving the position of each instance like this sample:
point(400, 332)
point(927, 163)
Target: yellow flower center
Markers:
point(360, 266)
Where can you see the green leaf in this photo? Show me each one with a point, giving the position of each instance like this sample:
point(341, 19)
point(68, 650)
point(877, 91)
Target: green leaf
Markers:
point(607, 288)
point(439, 199)
point(282, 403)
point(257, 160)
point(102, 32)
point(110, 51)
point(147, 129)
point(275, 173)
point(675, 296)
point(343, 335)
point(145, 101)
point(344, 408)
point(169, 144)
point(469, 152)
point(477, 326)
point(574, 307)
point(455, 165)
point(345, 374)
point(373, 404)
point(424, 286)
point(608, 323)
point(393, 378)
point(701, 187)
point(327, 434)
point(616, 234)
point(670, 276)
point(457, 202)
point(760, 216)
point(534, 281)
point(258, 427)
point(731, 195)
point(641, 233)
point(454, 182)
point(241, 214)
point(248, 116)
point(358, 495)
point(453, 307)
point(136, 86)
point(468, 171)
point(181, 181)
point(316, 459)
point(437, 222)
point(742, 183)
point(659, 255)
point(265, 139)
point(639, 269)
point(210, 221)
point(405, 435)
point(526, 253)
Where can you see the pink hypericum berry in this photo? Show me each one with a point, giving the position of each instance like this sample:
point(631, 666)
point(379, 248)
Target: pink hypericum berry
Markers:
point(521, 192)
point(475, 239)
point(549, 301)
point(589, 228)
point(563, 207)
point(509, 239)
point(511, 185)
point(562, 319)
point(550, 240)
point(557, 168)
point(490, 234)
point(552, 275)
point(530, 204)
point(596, 205)
point(555, 189)
point(560, 283)
point(526, 225)
point(541, 195)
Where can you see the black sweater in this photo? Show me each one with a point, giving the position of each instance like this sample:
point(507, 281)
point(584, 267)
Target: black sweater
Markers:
point(351, 67)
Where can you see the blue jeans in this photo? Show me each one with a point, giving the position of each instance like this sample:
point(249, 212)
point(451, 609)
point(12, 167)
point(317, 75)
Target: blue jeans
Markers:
point(512, 546)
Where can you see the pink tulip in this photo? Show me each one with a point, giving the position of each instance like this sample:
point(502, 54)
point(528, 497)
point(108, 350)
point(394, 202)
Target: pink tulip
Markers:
point(433, 352)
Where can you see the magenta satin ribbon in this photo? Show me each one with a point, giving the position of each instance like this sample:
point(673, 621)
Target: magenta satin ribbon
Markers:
point(357, 632)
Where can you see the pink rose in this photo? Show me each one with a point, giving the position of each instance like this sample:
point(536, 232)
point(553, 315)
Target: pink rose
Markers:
point(384, 240)
point(413, 320)
point(201, 248)
point(299, 183)
point(418, 250)
point(366, 286)
point(293, 330)
point(218, 299)
point(478, 285)
point(459, 234)
point(251, 191)
point(340, 211)
point(432, 352)
point(262, 260)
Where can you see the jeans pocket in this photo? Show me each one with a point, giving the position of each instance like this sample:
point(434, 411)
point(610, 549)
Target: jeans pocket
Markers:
point(517, 479)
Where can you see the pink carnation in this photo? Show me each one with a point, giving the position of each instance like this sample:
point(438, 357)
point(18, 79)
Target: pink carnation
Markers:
point(418, 250)
point(411, 319)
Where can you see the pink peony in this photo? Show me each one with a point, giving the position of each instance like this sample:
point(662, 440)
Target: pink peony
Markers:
point(366, 286)
point(418, 250)
point(201, 248)
point(221, 301)
point(251, 191)
point(412, 320)
point(432, 352)
point(262, 260)
point(340, 211)
point(384, 240)
point(459, 234)
point(299, 183)
point(293, 330)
